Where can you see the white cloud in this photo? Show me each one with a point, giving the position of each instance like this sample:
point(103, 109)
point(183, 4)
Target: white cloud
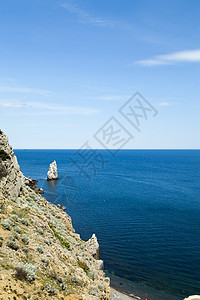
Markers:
point(16, 89)
point(84, 17)
point(172, 58)
point(167, 104)
point(11, 105)
point(49, 108)
point(111, 97)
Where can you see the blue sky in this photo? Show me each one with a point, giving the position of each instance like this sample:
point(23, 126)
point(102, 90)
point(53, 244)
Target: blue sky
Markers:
point(68, 66)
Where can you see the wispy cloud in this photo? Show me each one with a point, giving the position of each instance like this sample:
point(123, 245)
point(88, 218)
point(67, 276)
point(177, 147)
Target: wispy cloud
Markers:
point(164, 104)
point(17, 89)
point(85, 17)
point(167, 104)
point(172, 58)
point(111, 97)
point(44, 108)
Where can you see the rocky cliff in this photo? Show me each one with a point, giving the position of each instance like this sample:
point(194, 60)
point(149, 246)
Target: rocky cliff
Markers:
point(41, 256)
point(11, 178)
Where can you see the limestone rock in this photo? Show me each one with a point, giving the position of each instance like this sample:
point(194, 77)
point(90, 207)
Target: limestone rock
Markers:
point(11, 179)
point(52, 174)
point(99, 264)
point(93, 246)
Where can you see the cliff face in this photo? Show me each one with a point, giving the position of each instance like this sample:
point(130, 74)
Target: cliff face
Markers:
point(41, 256)
point(11, 178)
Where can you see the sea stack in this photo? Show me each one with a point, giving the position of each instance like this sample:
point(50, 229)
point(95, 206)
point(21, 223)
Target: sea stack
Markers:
point(52, 174)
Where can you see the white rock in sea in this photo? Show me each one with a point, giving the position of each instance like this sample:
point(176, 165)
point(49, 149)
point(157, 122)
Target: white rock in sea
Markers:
point(194, 297)
point(52, 174)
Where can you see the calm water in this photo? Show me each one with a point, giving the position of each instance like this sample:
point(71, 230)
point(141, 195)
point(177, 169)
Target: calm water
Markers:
point(143, 205)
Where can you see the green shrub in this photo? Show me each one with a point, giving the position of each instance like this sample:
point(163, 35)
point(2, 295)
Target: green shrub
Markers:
point(15, 217)
point(16, 212)
point(12, 244)
point(45, 260)
point(28, 199)
point(2, 206)
point(93, 291)
point(17, 229)
point(90, 274)
point(47, 241)
point(40, 230)
point(40, 250)
point(51, 290)
point(24, 221)
point(25, 250)
point(62, 241)
point(63, 286)
point(60, 279)
point(1, 243)
point(75, 280)
point(25, 239)
point(15, 236)
point(83, 265)
point(26, 272)
point(53, 274)
point(7, 224)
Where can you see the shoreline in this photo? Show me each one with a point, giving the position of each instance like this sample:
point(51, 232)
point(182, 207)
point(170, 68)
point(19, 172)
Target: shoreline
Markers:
point(119, 295)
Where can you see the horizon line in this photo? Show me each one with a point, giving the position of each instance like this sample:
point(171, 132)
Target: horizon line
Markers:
point(105, 149)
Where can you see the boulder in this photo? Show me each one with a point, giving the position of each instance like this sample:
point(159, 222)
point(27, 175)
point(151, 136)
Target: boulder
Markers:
point(39, 190)
point(52, 174)
point(61, 206)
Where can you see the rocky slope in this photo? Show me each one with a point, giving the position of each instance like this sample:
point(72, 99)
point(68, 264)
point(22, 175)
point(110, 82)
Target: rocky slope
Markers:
point(41, 256)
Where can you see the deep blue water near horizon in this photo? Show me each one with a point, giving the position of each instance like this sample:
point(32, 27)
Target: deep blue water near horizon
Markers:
point(144, 207)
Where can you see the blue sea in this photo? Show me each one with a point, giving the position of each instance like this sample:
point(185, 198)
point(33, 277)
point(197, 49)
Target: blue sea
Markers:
point(143, 205)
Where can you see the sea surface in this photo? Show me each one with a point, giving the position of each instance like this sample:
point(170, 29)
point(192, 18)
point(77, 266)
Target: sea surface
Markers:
point(143, 205)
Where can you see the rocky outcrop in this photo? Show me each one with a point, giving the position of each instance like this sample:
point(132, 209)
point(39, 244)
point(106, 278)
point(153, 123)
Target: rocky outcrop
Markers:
point(52, 174)
point(33, 185)
point(11, 179)
point(93, 246)
point(41, 256)
point(61, 206)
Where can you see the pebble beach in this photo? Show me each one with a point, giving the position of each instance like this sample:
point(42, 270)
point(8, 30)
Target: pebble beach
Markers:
point(116, 295)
